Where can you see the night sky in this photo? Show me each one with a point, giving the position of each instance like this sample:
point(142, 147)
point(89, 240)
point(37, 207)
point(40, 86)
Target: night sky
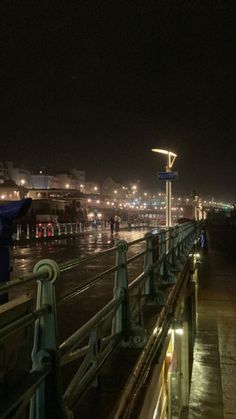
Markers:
point(96, 84)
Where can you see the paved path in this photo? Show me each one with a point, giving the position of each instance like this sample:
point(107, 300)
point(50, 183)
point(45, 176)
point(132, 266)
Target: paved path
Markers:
point(213, 387)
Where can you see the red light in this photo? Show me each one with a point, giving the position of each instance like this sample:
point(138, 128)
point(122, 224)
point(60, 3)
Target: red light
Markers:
point(49, 224)
point(40, 225)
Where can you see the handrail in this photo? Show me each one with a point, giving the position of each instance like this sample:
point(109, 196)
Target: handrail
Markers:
point(22, 281)
point(165, 252)
point(139, 373)
point(87, 286)
point(23, 321)
point(74, 263)
point(71, 342)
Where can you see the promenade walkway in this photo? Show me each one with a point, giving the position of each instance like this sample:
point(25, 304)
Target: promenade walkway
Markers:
point(213, 386)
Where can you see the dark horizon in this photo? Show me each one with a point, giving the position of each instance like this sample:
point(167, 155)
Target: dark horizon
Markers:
point(97, 86)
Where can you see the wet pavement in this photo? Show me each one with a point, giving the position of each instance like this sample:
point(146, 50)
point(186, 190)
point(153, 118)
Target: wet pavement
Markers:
point(213, 386)
point(74, 310)
point(24, 257)
point(213, 383)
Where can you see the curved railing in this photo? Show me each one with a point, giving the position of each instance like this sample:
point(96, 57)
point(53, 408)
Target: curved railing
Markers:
point(119, 322)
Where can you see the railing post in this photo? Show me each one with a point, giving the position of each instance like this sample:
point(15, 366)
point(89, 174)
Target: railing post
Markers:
point(18, 232)
point(120, 321)
point(176, 264)
point(148, 266)
point(47, 401)
point(165, 255)
point(27, 231)
point(36, 231)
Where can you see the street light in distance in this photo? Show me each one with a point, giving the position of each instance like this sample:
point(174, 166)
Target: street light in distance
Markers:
point(170, 161)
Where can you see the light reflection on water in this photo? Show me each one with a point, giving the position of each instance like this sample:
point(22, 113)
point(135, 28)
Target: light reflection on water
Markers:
point(25, 257)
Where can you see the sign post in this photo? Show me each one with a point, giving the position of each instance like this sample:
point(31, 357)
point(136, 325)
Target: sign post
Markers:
point(167, 175)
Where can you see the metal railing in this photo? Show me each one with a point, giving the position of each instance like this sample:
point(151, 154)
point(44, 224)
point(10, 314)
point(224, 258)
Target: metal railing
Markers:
point(58, 230)
point(118, 322)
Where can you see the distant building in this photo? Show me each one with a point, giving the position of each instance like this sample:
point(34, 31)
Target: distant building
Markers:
point(92, 188)
point(20, 176)
point(113, 189)
point(43, 181)
point(10, 191)
point(3, 173)
point(79, 177)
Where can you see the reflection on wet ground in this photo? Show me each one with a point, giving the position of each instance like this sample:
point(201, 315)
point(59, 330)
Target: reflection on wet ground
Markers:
point(75, 311)
point(214, 370)
point(25, 257)
point(213, 388)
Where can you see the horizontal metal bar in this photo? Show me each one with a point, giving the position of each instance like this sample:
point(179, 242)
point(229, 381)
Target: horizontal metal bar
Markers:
point(23, 321)
point(20, 395)
point(69, 343)
point(73, 263)
point(105, 320)
point(71, 396)
point(141, 368)
point(42, 274)
point(131, 259)
point(137, 281)
point(86, 286)
point(142, 239)
point(79, 353)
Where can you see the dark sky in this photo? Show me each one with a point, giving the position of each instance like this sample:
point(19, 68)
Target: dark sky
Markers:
point(96, 84)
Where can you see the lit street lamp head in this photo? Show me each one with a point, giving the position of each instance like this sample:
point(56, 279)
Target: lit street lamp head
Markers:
point(170, 156)
point(160, 150)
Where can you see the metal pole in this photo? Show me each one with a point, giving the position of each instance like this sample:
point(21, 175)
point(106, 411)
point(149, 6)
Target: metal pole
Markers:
point(170, 160)
point(168, 193)
point(18, 232)
point(168, 203)
point(28, 232)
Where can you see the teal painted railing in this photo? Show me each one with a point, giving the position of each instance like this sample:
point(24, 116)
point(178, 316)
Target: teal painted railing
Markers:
point(119, 322)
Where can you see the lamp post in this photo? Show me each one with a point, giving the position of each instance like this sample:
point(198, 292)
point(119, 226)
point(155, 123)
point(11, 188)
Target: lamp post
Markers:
point(170, 161)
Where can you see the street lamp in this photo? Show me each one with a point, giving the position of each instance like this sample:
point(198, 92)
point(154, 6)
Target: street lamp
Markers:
point(170, 161)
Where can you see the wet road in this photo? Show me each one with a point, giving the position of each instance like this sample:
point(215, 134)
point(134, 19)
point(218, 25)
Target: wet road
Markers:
point(24, 257)
point(213, 387)
point(213, 383)
point(74, 310)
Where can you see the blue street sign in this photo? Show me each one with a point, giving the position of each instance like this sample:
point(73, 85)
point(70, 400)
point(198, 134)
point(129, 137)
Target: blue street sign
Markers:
point(167, 175)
